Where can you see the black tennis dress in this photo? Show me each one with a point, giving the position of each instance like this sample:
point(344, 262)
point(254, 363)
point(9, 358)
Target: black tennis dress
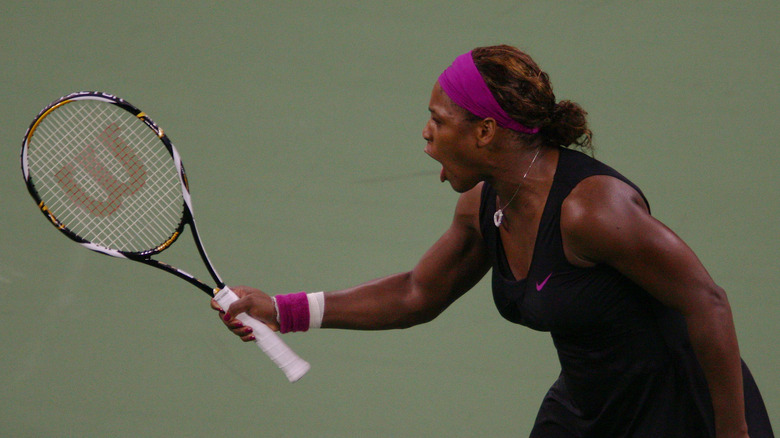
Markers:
point(627, 366)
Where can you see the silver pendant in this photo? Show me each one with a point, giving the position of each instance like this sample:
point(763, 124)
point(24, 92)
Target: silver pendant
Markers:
point(498, 217)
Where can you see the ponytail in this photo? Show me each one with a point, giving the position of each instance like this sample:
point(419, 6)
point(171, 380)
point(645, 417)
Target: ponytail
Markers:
point(568, 125)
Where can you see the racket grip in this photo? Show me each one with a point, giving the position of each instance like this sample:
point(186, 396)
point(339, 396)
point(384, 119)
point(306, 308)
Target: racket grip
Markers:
point(290, 363)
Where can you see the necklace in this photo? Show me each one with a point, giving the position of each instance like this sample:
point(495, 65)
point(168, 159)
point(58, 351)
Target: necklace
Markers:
point(498, 217)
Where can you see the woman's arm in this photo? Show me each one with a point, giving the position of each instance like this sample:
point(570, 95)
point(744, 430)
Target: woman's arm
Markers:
point(452, 266)
point(606, 221)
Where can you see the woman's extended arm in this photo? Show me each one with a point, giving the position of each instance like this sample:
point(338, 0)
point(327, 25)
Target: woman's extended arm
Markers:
point(452, 266)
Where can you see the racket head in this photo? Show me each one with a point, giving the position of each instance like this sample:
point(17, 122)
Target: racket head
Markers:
point(106, 175)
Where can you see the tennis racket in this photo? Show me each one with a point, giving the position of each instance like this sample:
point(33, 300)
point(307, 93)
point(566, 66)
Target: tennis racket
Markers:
point(108, 178)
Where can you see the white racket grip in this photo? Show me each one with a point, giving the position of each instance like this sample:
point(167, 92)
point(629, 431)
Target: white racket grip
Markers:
point(290, 363)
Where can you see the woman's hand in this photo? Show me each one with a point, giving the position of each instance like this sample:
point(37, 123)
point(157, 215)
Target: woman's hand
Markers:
point(255, 303)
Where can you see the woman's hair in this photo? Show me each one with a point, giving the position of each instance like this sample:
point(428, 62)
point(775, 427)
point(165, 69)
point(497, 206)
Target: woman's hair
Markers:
point(524, 91)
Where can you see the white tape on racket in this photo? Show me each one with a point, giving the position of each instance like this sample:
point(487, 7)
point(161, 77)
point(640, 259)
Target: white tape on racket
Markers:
point(290, 363)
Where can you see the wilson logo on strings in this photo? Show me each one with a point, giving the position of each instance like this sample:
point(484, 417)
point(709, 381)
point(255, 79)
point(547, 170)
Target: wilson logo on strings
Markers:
point(90, 163)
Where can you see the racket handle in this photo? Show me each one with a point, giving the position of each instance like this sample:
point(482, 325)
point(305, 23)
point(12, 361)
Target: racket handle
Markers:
point(290, 363)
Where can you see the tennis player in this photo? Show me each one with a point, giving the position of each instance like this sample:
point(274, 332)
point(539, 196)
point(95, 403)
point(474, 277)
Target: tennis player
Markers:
point(645, 337)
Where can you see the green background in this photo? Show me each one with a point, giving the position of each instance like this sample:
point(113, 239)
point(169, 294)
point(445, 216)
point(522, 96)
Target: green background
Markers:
point(300, 125)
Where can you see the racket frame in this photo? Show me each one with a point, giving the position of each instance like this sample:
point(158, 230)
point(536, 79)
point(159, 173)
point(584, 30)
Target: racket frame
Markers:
point(142, 256)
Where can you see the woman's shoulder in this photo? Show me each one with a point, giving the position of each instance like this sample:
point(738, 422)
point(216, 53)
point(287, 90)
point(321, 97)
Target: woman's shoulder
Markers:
point(600, 195)
point(589, 179)
point(598, 210)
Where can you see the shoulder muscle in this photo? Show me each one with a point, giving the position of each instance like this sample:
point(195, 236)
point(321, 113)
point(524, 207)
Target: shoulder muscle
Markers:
point(599, 219)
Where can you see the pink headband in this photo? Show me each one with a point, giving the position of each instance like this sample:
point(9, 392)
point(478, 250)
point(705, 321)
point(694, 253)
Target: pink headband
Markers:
point(466, 87)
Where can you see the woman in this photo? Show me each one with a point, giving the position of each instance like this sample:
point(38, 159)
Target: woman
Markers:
point(645, 338)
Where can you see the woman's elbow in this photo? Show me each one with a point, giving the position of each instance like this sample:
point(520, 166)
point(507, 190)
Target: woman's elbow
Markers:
point(420, 306)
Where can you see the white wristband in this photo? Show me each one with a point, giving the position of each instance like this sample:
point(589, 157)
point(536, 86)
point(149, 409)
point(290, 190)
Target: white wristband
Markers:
point(316, 308)
point(276, 308)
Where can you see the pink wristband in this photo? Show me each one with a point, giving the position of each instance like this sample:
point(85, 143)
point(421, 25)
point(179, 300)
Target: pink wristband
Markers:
point(293, 312)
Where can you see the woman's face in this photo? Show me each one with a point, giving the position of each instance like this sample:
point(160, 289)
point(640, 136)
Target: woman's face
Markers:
point(451, 140)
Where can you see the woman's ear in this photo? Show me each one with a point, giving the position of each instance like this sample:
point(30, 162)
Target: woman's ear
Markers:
point(486, 131)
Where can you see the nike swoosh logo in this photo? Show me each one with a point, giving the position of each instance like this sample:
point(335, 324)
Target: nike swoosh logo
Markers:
point(540, 286)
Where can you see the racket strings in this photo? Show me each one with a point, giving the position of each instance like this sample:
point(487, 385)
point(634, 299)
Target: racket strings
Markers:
point(106, 176)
